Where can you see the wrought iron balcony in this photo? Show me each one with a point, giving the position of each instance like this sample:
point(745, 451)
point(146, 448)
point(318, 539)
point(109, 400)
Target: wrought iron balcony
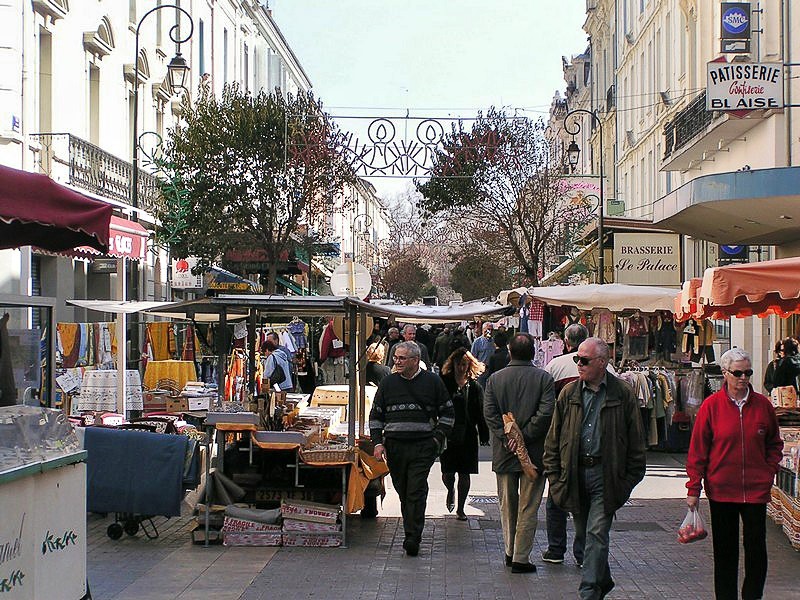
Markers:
point(687, 124)
point(80, 163)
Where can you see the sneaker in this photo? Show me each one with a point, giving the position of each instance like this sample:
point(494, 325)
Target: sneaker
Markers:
point(552, 557)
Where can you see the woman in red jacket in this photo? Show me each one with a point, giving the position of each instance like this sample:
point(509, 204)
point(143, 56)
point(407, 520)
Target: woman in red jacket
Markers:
point(735, 451)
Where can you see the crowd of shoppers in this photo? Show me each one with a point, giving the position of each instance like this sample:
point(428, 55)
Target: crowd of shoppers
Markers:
point(582, 430)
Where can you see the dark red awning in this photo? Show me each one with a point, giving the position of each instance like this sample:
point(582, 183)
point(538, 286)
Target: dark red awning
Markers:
point(36, 211)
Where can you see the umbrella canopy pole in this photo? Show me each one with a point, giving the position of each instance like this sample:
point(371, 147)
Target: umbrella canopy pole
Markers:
point(122, 358)
point(353, 380)
point(362, 371)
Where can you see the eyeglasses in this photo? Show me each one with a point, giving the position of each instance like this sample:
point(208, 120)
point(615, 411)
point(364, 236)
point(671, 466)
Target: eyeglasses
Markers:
point(583, 360)
point(737, 373)
point(400, 357)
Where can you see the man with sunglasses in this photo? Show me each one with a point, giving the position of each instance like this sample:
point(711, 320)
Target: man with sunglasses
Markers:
point(735, 451)
point(594, 456)
point(411, 416)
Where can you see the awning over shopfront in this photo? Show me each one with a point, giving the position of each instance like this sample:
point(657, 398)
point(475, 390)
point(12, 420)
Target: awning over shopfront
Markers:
point(126, 239)
point(744, 207)
point(36, 211)
point(752, 289)
point(616, 297)
point(565, 268)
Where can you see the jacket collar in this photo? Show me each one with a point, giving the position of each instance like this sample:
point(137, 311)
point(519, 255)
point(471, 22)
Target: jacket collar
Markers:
point(613, 389)
point(520, 363)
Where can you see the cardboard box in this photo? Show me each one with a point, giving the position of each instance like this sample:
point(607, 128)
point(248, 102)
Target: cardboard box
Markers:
point(295, 525)
point(310, 511)
point(332, 540)
point(177, 404)
point(252, 538)
point(199, 402)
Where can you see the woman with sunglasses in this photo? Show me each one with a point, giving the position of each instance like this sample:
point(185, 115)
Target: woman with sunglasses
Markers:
point(734, 452)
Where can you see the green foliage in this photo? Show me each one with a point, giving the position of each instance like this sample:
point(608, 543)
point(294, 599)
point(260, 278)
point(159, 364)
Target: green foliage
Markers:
point(407, 279)
point(478, 273)
point(256, 170)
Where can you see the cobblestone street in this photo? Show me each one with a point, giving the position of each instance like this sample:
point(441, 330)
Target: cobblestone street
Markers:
point(457, 559)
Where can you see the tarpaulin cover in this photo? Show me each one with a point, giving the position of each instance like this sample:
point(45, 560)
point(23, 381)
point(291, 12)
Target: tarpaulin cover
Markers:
point(36, 211)
point(751, 289)
point(616, 297)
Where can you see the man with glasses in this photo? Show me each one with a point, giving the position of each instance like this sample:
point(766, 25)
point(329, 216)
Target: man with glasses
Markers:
point(594, 456)
point(410, 335)
point(412, 415)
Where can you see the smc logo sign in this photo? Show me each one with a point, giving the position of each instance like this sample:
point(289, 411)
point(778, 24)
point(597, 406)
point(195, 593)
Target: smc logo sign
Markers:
point(735, 20)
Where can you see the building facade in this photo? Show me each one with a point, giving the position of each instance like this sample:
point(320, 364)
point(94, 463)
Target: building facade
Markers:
point(67, 110)
point(715, 177)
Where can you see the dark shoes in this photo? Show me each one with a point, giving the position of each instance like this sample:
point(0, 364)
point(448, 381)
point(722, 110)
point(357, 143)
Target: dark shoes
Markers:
point(522, 567)
point(509, 560)
point(451, 500)
point(411, 548)
point(461, 516)
point(552, 557)
point(606, 588)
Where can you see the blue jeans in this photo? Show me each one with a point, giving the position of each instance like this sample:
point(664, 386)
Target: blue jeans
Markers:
point(593, 524)
point(557, 532)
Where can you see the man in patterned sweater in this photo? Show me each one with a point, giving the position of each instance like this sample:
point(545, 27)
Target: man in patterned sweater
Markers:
point(411, 417)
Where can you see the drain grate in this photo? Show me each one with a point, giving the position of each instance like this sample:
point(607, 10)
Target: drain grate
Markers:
point(484, 500)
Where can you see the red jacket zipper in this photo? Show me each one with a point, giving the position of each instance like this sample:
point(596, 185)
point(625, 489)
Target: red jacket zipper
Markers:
point(744, 462)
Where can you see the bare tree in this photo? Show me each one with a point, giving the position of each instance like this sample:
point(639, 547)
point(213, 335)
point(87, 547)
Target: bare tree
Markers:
point(499, 177)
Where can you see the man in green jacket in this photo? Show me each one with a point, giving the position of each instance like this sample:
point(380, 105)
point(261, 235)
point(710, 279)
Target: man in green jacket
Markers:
point(594, 456)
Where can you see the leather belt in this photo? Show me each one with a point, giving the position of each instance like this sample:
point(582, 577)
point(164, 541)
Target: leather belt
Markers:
point(588, 461)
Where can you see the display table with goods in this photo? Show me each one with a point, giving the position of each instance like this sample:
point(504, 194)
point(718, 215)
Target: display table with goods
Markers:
point(42, 506)
point(297, 466)
point(784, 507)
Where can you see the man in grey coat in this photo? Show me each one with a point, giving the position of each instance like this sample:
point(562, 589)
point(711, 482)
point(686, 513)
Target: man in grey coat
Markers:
point(526, 392)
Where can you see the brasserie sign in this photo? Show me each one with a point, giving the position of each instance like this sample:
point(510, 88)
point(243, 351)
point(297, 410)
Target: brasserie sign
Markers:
point(647, 258)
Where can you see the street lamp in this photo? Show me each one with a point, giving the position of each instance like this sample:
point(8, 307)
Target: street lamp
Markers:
point(354, 229)
point(177, 71)
point(573, 153)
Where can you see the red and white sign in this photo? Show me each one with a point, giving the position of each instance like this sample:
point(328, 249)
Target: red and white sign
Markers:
point(126, 239)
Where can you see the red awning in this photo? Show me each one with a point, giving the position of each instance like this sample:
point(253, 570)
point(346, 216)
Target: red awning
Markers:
point(36, 211)
point(125, 239)
point(746, 290)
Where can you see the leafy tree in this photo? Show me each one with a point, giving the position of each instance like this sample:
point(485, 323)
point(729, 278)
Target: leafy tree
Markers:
point(478, 273)
point(498, 176)
point(257, 169)
point(406, 278)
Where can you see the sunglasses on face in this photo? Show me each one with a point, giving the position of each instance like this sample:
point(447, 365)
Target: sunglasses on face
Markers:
point(583, 360)
point(737, 373)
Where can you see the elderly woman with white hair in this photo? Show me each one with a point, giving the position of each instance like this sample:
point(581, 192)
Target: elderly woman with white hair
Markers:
point(734, 452)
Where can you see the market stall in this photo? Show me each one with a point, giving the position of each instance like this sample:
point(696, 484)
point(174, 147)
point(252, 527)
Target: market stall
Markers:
point(657, 356)
point(261, 431)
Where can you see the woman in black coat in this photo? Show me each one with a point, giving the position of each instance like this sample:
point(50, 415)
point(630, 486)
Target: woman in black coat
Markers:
point(461, 456)
point(788, 368)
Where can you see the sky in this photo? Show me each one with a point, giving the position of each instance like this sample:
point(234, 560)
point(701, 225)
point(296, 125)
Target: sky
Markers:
point(431, 58)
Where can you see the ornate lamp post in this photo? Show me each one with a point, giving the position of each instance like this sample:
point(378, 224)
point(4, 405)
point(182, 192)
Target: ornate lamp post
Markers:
point(573, 154)
point(177, 71)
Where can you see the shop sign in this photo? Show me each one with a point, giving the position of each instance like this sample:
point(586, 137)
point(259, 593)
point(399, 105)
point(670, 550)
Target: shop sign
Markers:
point(104, 265)
point(182, 277)
point(730, 255)
point(735, 27)
point(743, 86)
point(647, 258)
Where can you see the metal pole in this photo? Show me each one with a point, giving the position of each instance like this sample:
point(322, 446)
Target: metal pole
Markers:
point(600, 241)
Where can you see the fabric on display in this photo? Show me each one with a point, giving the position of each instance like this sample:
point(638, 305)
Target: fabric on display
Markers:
point(162, 341)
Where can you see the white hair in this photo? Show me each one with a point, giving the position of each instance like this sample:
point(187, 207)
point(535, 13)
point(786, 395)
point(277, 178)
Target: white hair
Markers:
point(731, 356)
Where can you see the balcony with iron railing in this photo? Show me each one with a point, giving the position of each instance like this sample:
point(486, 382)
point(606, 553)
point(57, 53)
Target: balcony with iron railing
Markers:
point(72, 160)
point(695, 134)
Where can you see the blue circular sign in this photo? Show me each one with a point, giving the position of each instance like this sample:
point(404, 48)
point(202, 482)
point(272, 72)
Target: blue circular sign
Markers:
point(735, 20)
point(732, 249)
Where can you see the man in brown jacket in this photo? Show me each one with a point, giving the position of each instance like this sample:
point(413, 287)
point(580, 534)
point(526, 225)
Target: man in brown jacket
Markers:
point(594, 456)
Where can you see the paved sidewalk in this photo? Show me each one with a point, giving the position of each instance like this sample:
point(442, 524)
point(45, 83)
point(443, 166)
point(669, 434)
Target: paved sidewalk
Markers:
point(457, 559)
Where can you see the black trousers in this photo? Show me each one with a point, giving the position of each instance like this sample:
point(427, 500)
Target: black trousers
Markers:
point(410, 463)
point(725, 534)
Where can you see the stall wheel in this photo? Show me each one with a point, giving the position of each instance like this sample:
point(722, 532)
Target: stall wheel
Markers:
point(114, 531)
point(131, 527)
